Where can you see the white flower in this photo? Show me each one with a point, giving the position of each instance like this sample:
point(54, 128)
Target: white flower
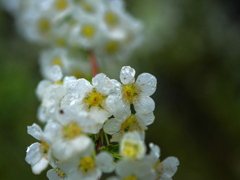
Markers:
point(39, 17)
point(51, 57)
point(72, 138)
point(38, 154)
point(51, 95)
point(132, 146)
point(85, 32)
point(121, 33)
point(134, 170)
point(35, 23)
point(91, 98)
point(117, 127)
point(89, 7)
point(134, 92)
point(165, 169)
point(87, 166)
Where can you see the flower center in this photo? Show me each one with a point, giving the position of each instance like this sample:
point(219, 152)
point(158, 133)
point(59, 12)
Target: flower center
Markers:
point(111, 19)
point(112, 47)
point(60, 42)
point(61, 4)
point(86, 164)
point(71, 131)
point(88, 31)
point(130, 149)
point(86, 7)
point(44, 148)
point(60, 173)
point(131, 177)
point(130, 91)
point(58, 82)
point(57, 61)
point(44, 25)
point(94, 98)
point(131, 124)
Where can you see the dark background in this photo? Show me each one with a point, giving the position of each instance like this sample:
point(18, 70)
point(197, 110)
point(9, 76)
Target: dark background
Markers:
point(192, 47)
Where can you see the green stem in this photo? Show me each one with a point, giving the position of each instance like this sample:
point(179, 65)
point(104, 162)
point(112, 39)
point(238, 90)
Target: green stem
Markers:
point(106, 138)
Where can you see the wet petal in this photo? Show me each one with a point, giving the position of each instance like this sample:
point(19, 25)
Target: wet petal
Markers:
point(127, 75)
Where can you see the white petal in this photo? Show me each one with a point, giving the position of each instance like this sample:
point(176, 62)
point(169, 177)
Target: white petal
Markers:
point(99, 115)
point(116, 105)
point(124, 168)
point(144, 104)
point(105, 162)
point(56, 73)
point(117, 137)
point(65, 149)
point(42, 114)
point(102, 83)
point(170, 165)
point(51, 129)
point(35, 131)
point(144, 171)
point(146, 118)
point(155, 150)
point(81, 87)
point(33, 154)
point(40, 166)
point(127, 75)
point(42, 86)
point(113, 125)
point(52, 175)
point(147, 83)
point(69, 81)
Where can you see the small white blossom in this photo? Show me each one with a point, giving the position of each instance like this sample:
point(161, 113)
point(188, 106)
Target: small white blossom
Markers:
point(132, 146)
point(39, 154)
point(164, 169)
point(117, 127)
point(87, 166)
point(133, 92)
point(134, 170)
point(91, 98)
point(71, 138)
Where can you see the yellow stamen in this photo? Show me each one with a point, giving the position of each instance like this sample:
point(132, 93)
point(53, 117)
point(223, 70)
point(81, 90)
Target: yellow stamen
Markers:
point(111, 19)
point(130, 92)
point(57, 61)
point(71, 131)
point(60, 173)
point(130, 149)
point(86, 7)
point(44, 25)
point(44, 148)
point(112, 47)
point(86, 164)
point(58, 82)
point(61, 42)
point(130, 124)
point(88, 31)
point(94, 99)
point(131, 177)
point(61, 4)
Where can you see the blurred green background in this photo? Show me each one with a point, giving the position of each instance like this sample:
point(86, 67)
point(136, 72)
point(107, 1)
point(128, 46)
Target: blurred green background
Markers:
point(192, 47)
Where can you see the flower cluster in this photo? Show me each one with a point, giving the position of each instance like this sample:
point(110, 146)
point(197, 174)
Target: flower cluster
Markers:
point(91, 126)
point(80, 117)
point(101, 26)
